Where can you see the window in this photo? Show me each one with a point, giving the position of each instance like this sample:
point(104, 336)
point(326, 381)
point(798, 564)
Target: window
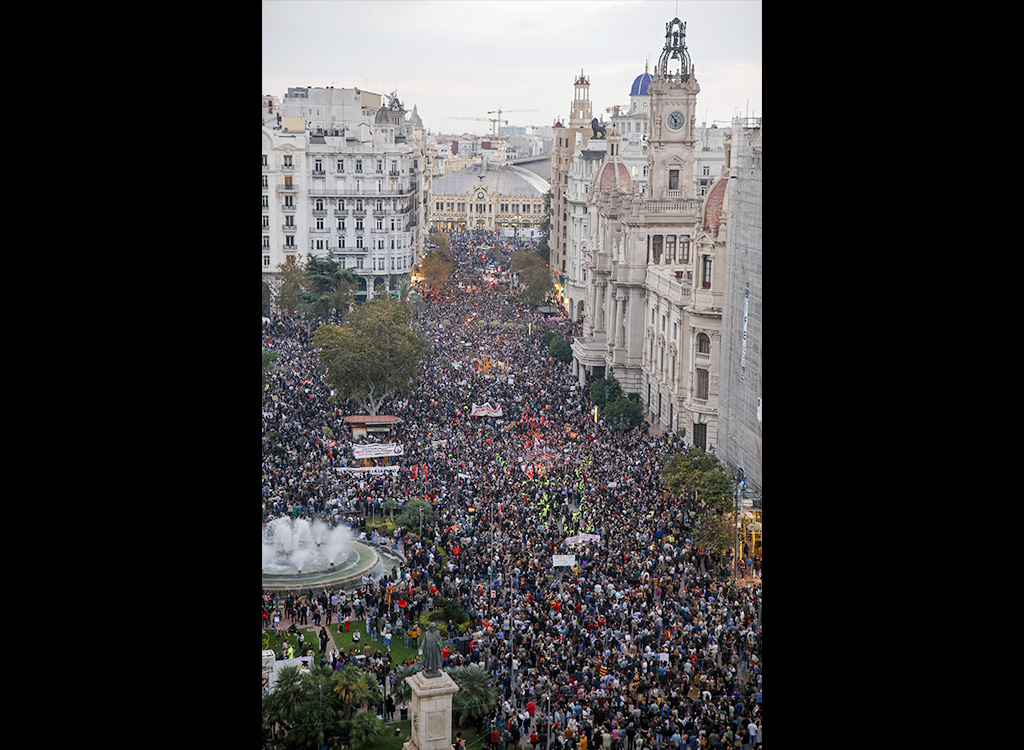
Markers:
point(264, 160)
point(341, 244)
point(266, 260)
point(359, 166)
point(670, 249)
point(656, 242)
point(318, 165)
point(684, 251)
point(266, 241)
point(266, 202)
point(319, 223)
point(264, 180)
point(707, 171)
point(380, 165)
point(288, 162)
point(341, 165)
point(289, 241)
point(702, 383)
point(706, 275)
point(703, 344)
point(359, 225)
point(341, 225)
point(673, 179)
point(266, 222)
point(359, 262)
point(359, 244)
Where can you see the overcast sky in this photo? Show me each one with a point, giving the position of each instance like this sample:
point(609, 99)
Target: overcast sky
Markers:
point(464, 58)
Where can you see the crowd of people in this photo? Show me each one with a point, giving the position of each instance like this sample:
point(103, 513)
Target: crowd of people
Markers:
point(641, 640)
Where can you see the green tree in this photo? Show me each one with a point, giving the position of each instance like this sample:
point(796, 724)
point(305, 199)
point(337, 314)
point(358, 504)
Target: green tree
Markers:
point(410, 517)
point(623, 414)
point(281, 705)
point(437, 267)
point(355, 689)
point(366, 732)
point(699, 475)
point(560, 349)
point(289, 285)
point(477, 695)
point(441, 240)
point(303, 711)
point(714, 531)
point(391, 505)
point(399, 687)
point(597, 391)
point(373, 355)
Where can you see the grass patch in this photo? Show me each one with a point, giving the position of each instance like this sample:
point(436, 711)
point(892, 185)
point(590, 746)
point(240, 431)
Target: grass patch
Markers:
point(345, 641)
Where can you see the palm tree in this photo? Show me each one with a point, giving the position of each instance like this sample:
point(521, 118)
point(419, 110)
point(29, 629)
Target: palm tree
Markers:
point(366, 731)
point(477, 694)
point(350, 685)
point(399, 687)
point(281, 707)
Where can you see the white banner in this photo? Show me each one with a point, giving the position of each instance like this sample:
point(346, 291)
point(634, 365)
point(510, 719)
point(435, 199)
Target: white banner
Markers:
point(377, 451)
point(580, 538)
point(368, 469)
point(486, 410)
point(563, 561)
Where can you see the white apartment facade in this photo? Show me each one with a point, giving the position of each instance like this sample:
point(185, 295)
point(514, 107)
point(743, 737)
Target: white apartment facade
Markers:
point(352, 185)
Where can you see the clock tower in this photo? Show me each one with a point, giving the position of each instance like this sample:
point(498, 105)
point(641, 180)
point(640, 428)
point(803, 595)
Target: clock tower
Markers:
point(671, 137)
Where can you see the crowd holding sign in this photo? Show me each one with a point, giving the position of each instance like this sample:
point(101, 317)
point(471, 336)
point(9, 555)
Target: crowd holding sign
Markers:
point(486, 410)
point(377, 450)
point(582, 643)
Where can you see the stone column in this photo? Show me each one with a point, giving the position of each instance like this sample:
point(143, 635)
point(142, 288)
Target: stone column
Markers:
point(431, 712)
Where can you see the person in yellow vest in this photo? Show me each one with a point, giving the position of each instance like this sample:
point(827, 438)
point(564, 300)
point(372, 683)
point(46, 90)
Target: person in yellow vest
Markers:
point(291, 651)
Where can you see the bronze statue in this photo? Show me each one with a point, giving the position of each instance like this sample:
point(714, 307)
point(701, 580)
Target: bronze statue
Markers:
point(598, 128)
point(432, 652)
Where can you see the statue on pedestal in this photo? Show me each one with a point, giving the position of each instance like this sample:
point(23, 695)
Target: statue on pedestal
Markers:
point(432, 652)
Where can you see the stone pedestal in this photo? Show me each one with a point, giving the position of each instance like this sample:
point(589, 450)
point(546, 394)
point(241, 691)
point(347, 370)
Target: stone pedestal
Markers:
point(431, 712)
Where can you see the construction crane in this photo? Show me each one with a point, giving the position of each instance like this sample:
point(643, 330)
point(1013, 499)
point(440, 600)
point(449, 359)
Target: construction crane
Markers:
point(499, 111)
point(494, 123)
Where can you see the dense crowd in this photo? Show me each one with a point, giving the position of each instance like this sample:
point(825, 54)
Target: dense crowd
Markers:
point(646, 642)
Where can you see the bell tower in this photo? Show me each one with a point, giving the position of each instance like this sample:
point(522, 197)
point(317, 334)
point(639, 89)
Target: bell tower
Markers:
point(671, 137)
point(581, 114)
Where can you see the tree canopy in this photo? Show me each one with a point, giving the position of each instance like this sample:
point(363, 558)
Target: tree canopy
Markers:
point(700, 475)
point(534, 275)
point(437, 267)
point(373, 355)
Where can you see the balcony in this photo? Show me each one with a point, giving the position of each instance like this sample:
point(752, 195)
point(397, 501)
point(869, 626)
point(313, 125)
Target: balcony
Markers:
point(380, 212)
point(287, 188)
point(319, 173)
point(359, 212)
point(288, 207)
point(289, 227)
point(319, 212)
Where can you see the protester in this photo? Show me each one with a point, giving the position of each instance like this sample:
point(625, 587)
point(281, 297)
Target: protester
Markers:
point(644, 642)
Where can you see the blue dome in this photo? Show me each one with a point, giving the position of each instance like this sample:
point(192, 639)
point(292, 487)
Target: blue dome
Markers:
point(640, 85)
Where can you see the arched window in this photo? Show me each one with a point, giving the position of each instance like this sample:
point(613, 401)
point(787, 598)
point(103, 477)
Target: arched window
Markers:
point(703, 344)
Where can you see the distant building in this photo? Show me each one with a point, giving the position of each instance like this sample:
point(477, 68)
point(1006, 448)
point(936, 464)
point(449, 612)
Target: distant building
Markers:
point(488, 196)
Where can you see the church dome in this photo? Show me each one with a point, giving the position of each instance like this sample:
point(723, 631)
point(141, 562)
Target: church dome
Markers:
point(640, 84)
point(612, 176)
point(714, 204)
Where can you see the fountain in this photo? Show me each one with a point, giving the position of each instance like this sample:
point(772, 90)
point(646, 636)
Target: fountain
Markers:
point(299, 552)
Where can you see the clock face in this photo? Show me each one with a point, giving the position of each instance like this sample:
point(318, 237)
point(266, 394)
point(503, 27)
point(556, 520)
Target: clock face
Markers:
point(479, 195)
point(675, 120)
